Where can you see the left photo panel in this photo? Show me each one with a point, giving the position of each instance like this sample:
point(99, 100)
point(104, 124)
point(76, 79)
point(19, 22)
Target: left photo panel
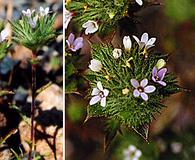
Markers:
point(31, 80)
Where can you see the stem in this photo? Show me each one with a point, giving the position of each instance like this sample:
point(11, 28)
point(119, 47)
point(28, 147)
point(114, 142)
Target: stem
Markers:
point(33, 106)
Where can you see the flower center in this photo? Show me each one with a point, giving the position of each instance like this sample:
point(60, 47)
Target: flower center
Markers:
point(140, 89)
point(101, 94)
point(72, 46)
point(157, 77)
point(132, 154)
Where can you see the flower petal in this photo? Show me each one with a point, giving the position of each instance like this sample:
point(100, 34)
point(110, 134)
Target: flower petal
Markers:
point(144, 82)
point(144, 96)
point(161, 73)
point(71, 38)
point(132, 148)
point(139, 2)
point(149, 46)
point(149, 89)
point(94, 100)
point(154, 71)
point(136, 93)
point(78, 46)
point(103, 102)
point(151, 41)
point(136, 39)
point(99, 86)
point(134, 83)
point(138, 153)
point(162, 83)
point(144, 38)
point(153, 78)
point(90, 30)
point(106, 92)
point(95, 92)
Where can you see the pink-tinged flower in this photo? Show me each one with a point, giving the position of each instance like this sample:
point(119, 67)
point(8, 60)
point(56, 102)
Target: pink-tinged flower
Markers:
point(91, 27)
point(74, 44)
point(99, 94)
point(28, 12)
point(140, 2)
point(95, 65)
point(141, 89)
point(145, 41)
point(68, 17)
point(158, 76)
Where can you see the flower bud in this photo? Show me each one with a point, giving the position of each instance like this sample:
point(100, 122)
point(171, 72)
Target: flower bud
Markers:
point(127, 43)
point(117, 53)
point(125, 91)
point(160, 64)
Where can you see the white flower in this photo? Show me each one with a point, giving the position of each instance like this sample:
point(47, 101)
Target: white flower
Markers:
point(117, 53)
point(145, 41)
point(33, 21)
point(132, 153)
point(95, 65)
point(43, 12)
point(99, 94)
point(4, 34)
point(127, 43)
point(140, 2)
point(28, 12)
point(91, 27)
point(68, 17)
point(176, 147)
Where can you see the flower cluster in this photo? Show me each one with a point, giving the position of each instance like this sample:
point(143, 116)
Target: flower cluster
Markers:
point(142, 88)
point(128, 85)
point(32, 17)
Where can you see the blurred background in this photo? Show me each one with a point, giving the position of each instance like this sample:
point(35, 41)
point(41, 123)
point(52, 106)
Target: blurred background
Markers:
point(172, 133)
point(15, 76)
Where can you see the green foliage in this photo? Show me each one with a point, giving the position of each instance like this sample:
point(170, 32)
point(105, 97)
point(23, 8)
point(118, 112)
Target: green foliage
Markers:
point(180, 10)
point(34, 38)
point(3, 49)
point(116, 76)
point(106, 13)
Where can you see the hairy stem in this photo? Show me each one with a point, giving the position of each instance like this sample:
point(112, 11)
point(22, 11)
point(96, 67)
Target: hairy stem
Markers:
point(33, 106)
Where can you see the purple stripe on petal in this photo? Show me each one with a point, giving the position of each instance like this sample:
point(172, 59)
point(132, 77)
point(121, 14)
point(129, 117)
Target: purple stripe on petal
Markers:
point(162, 83)
point(161, 73)
point(136, 93)
point(144, 96)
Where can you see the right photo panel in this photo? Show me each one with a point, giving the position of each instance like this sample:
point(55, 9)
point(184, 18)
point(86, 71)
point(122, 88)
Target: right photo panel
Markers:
point(129, 79)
